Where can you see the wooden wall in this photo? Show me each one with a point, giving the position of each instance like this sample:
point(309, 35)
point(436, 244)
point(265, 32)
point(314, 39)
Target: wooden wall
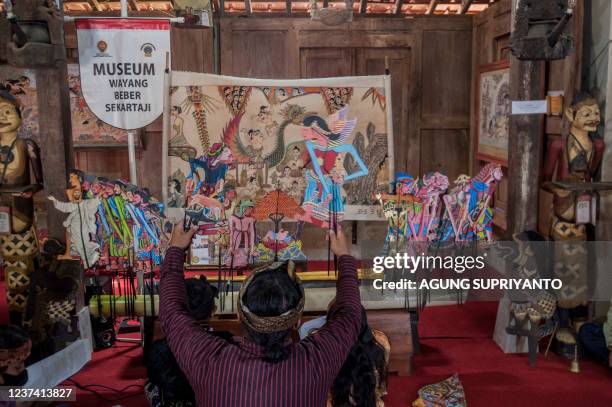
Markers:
point(192, 50)
point(491, 45)
point(429, 58)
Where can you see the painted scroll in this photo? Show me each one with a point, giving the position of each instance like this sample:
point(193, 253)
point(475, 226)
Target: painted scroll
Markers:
point(324, 143)
point(87, 129)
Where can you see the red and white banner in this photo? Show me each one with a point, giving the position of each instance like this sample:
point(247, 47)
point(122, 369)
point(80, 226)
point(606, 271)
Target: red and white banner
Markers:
point(122, 63)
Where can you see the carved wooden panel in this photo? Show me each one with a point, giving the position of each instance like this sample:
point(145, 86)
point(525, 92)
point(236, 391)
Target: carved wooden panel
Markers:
point(326, 62)
point(446, 77)
point(192, 49)
point(256, 54)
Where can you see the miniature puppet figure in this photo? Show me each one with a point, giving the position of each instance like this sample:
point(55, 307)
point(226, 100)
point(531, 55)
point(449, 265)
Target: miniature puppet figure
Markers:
point(81, 221)
point(19, 161)
point(242, 235)
point(468, 215)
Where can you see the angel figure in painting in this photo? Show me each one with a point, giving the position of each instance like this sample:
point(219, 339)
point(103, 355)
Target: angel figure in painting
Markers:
point(81, 221)
point(326, 143)
point(242, 235)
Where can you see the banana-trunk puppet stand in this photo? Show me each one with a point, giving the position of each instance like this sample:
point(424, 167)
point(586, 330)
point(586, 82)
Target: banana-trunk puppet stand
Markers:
point(577, 159)
point(19, 164)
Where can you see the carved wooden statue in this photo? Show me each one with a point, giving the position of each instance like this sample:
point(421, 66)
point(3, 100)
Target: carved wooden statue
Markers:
point(576, 159)
point(19, 164)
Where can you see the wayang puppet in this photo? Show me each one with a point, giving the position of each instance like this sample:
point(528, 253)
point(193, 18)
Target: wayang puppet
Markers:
point(242, 235)
point(20, 178)
point(327, 149)
point(81, 221)
point(576, 160)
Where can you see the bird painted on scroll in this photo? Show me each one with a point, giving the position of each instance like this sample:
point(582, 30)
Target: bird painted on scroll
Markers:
point(374, 154)
point(253, 152)
point(214, 164)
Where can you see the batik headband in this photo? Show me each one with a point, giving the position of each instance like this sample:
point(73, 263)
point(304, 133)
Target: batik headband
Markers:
point(283, 322)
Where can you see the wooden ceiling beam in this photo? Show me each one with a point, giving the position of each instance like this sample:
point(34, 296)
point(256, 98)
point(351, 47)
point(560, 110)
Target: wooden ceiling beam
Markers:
point(398, 7)
point(363, 5)
point(432, 6)
point(248, 7)
point(465, 6)
point(288, 7)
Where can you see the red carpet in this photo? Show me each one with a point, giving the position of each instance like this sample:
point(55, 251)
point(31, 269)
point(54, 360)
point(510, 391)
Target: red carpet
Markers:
point(116, 368)
point(458, 339)
point(455, 339)
point(470, 320)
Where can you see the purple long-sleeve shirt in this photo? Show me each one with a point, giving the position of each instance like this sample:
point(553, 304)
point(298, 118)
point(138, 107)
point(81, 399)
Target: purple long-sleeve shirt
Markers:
point(228, 375)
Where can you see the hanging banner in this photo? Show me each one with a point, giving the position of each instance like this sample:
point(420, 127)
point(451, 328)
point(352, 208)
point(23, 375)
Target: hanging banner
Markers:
point(122, 63)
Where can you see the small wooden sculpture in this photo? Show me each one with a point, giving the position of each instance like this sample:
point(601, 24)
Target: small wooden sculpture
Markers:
point(19, 160)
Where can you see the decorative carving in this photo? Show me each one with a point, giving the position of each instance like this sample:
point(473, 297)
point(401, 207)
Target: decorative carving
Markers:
point(542, 31)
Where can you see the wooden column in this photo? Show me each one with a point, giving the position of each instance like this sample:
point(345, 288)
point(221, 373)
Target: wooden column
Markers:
point(55, 138)
point(525, 144)
point(49, 64)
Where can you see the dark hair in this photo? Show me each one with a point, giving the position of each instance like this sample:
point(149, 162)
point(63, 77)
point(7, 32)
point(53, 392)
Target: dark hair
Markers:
point(201, 297)
point(581, 97)
point(271, 293)
point(163, 371)
point(356, 382)
point(80, 175)
point(12, 337)
point(309, 120)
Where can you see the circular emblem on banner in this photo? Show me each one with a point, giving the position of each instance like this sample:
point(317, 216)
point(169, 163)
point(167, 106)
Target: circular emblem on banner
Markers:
point(102, 46)
point(148, 49)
